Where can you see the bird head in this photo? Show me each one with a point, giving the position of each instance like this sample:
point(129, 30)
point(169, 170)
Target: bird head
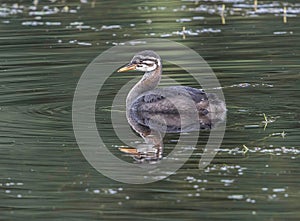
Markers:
point(145, 61)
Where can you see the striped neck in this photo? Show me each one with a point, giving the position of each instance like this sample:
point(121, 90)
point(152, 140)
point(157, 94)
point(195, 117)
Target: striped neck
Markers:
point(148, 82)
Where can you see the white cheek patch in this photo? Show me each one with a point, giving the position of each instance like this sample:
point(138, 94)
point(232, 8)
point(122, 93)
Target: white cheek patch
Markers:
point(153, 67)
point(147, 63)
point(158, 63)
point(150, 63)
point(144, 67)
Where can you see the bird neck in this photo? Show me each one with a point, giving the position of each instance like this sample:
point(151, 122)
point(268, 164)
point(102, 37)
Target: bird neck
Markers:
point(148, 82)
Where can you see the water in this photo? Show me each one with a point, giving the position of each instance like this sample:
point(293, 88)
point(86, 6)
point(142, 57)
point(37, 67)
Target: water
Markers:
point(255, 54)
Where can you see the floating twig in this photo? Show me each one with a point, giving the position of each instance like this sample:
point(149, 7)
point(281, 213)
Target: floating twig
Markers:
point(222, 15)
point(255, 5)
point(266, 121)
point(245, 149)
point(284, 15)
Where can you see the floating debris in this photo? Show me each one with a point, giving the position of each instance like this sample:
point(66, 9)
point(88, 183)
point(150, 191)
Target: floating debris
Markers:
point(284, 15)
point(84, 43)
point(137, 42)
point(205, 9)
point(65, 9)
point(249, 200)
point(208, 30)
point(236, 197)
point(165, 35)
point(283, 32)
point(227, 182)
point(198, 18)
point(223, 21)
point(278, 190)
point(282, 134)
point(112, 192)
point(96, 191)
point(52, 23)
point(32, 23)
point(190, 179)
point(80, 43)
point(181, 20)
point(76, 23)
point(45, 11)
point(246, 85)
point(267, 120)
point(109, 27)
point(185, 32)
point(245, 149)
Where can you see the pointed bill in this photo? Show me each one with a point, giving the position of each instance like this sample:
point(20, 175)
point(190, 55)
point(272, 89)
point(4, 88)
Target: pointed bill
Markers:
point(127, 68)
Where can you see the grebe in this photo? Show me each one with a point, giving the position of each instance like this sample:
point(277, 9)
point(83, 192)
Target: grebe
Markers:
point(152, 111)
point(145, 97)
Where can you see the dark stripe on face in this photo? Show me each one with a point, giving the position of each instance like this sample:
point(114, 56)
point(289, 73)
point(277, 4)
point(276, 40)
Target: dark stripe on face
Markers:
point(142, 60)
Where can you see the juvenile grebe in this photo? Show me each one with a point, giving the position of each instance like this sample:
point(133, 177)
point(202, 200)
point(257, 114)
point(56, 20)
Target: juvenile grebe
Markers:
point(144, 97)
point(152, 111)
